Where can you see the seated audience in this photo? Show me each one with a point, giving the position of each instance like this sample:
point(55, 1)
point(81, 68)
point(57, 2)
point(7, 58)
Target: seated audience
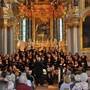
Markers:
point(66, 84)
point(77, 84)
point(88, 73)
point(10, 82)
point(32, 62)
point(84, 83)
point(22, 83)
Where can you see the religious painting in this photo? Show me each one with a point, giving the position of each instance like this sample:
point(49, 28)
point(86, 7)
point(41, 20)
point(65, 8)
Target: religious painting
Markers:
point(42, 29)
point(87, 3)
point(86, 33)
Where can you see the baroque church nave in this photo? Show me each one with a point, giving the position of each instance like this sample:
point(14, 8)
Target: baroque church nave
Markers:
point(48, 29)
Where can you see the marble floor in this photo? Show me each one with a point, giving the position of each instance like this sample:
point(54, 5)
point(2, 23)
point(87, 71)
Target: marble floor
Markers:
point(50, 87)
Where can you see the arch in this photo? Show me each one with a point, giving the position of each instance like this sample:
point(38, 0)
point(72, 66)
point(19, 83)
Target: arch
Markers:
point(85, 13)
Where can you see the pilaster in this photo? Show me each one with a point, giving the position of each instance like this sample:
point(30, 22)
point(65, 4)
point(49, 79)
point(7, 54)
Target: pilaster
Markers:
point(75, 38)
point(11, 40)
point(51, 30)
point(68, 41)
point(5, 37)
point(6, 18)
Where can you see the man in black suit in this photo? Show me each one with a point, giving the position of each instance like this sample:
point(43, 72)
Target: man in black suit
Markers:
point(38, 67)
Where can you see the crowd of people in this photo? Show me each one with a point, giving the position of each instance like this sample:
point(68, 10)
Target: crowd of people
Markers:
point(24, 68)
point(75, 82)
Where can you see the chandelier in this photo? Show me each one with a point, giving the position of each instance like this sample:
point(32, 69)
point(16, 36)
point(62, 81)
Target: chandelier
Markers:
point(58, 7)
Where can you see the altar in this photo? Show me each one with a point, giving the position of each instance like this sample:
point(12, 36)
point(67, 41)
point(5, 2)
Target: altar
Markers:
point(40, 25)
point(40, 45)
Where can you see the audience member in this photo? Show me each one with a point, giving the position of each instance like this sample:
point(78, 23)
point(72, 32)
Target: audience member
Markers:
point(77, 84)
point(66, 84)
point(3, 85)
point(22, 83)
point(84, 79)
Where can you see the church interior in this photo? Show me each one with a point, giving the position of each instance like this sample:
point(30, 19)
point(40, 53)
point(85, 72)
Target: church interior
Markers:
point(51, 33)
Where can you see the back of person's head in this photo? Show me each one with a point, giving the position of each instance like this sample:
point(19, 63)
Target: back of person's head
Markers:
point(3, 85)
point(84, 77)
point(68, 72)
point(88, 73)
point(77, 77)
point(9, 77)
point(23, 78)
point(67, 79)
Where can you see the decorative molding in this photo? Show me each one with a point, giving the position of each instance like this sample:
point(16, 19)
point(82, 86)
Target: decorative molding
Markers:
point(72, 21)
point(85, 13)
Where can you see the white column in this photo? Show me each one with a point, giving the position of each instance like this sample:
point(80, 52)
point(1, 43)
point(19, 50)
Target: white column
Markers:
point(51, 30)
point(68, 39)
point(1, 40)
point(75, 39)
point(11, 41)
point(5, 40)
